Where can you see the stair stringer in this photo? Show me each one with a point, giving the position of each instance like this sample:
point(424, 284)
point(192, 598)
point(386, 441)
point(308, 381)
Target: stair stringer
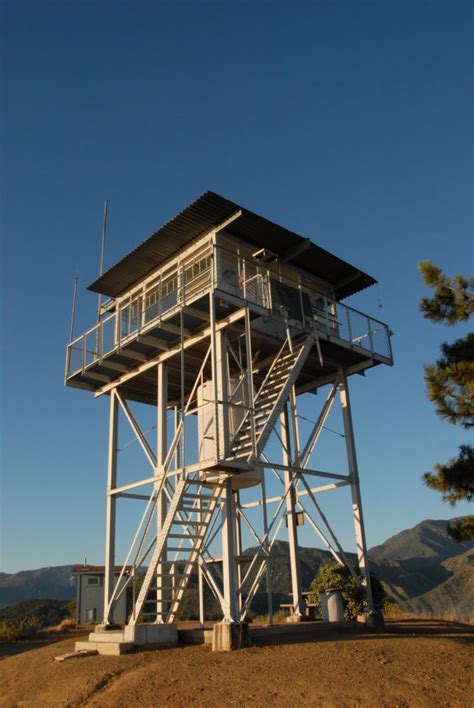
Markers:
point(196, 551)
point(160, 544)
point(283, 396)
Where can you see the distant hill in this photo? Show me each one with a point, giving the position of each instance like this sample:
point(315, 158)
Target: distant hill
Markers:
point(425, 571)
point(427, 540)
point(422, 569)
point(31, 615)
point(54, 583)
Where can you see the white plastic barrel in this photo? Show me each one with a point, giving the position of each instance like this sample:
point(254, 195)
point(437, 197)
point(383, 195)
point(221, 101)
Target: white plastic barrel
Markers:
point(332, 606)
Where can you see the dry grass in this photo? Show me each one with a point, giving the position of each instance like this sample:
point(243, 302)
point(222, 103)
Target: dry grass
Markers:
point(394, 611)
point(278, 617)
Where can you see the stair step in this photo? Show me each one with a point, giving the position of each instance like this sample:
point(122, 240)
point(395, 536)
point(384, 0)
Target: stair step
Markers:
point(248, 426)
point(242, 448)
point(263, 397)
point(266, 398)
point(154, 599)
point(191, 509)
point(170, 575)
point(189, 536)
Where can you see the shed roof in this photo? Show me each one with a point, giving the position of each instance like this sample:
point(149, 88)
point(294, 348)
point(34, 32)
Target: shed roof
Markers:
point(210, 210)
point(98, 569)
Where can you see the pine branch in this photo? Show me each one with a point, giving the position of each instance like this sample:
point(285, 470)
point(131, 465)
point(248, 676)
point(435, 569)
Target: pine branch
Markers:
point(450, 382)
point(453, 300)
point(455, 480)
point(462, 530)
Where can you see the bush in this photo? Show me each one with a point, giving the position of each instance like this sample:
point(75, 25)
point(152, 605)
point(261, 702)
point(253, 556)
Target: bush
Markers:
point(12, 630)
point(25, 618)
point(332, 576)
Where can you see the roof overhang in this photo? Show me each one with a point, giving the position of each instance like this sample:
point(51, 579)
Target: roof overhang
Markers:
point(211, 211)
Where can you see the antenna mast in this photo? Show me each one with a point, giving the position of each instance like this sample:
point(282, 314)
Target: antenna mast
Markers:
point(102, 251)
point(73, 311)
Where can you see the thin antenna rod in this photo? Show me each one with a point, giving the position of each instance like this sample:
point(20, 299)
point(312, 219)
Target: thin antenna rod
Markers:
point(102, 250)
point(73, 311)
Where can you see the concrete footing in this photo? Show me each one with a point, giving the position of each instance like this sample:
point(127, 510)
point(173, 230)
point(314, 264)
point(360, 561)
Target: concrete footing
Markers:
point(375, 620)
point(154, 634)
point(229, 636)
point(116, 642)
point(372, 620)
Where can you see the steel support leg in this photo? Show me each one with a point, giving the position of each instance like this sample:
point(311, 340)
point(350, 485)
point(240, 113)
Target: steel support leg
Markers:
point(291, 518)
point(231, 613)
point(161, 506)
point(238, 548)
point(355, 489)
point(111, 507)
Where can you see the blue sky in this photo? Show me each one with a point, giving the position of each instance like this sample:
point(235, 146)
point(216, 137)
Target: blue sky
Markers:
point(347, 122)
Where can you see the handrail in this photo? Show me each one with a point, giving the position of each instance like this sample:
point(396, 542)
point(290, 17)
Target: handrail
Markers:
point(130, 318)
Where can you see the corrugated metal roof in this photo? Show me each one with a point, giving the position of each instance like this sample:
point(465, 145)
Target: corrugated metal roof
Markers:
point(210, 210)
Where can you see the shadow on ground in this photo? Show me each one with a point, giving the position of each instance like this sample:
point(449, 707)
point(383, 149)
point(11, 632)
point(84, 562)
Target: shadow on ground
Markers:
point(400, 629)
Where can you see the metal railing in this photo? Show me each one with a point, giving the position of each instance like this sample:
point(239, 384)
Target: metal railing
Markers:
point(137, 316)
point(251, 283)
point(339, 321)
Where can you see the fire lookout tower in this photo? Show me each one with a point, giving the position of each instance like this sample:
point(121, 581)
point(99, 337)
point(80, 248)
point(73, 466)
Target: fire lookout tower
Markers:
point(220, 321)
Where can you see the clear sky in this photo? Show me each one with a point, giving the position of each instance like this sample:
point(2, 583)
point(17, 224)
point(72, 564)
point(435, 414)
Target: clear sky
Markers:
point(349, 122)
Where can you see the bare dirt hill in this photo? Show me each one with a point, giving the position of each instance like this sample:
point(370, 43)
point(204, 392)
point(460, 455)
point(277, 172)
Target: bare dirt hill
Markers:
point(412, 663)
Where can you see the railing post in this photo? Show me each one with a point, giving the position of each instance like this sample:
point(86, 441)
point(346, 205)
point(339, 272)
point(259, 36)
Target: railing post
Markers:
point(183, 286)
point(301, 299)
point(389, 342)
point(214, 265)
point(349, 324)
point(68, 359)
point(119, 327)
point(100, 343)
point(371, 339)
point(326, 316)
point(159, 298)
point(269, 291)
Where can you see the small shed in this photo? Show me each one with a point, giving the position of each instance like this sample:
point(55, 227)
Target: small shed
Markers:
point(90, 594)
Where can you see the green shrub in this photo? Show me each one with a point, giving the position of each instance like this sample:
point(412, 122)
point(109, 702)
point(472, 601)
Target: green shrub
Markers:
point(332, 576)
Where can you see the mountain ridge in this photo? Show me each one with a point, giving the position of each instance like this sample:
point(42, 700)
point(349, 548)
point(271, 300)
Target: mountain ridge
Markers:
point(422, 570)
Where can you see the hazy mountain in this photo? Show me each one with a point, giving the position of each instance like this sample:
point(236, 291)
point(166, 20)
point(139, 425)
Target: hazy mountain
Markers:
point(425, 571)
point(54, 583)
point(421, 568)
point(427, 540)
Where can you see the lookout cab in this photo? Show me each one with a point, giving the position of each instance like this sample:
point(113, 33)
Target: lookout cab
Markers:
point(220, 321)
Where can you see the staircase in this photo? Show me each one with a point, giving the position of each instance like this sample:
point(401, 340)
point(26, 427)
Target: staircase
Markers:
point(183, 534)
point(271, 398)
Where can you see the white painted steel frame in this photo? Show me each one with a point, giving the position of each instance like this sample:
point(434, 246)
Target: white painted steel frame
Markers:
point(170, 474)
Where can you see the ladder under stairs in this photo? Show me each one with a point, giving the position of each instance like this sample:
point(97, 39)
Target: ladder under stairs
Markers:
point(271, 398)
point(183, 533)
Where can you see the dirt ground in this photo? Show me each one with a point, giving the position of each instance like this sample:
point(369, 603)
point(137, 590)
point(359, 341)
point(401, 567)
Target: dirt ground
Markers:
point(411, 663)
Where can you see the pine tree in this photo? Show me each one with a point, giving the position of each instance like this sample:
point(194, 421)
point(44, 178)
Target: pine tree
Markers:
point(450, 386)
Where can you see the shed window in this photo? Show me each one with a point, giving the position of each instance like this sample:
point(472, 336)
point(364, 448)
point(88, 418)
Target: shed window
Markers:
point(93, 580)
